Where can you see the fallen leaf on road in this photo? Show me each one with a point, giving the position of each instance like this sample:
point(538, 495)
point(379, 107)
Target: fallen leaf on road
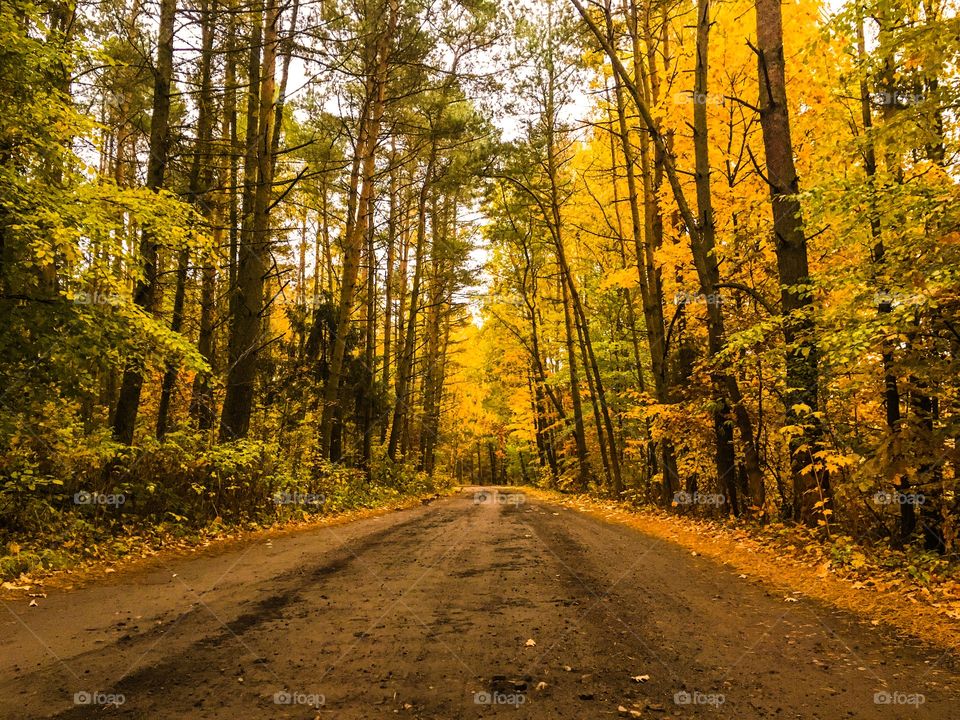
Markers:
point(530, 643)
point(640, 678)
point(34, 603)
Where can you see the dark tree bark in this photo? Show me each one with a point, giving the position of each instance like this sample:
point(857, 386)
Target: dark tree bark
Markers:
point(145, 293)
point(405, 362)
point(200, 184)
point(891, 388)
point(811, 485)
point(436, 328)
point(705, 258)
point(367, 143)
point(370, 349)
point(246, 331)
point(579, 435)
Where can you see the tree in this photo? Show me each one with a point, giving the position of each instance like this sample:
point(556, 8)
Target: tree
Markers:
point(128, 403)
point(811, 482)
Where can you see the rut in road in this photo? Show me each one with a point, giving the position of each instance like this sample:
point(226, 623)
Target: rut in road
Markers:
point(430, 613)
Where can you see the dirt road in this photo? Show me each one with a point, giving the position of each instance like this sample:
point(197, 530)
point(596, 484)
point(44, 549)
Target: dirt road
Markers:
point(469, 607)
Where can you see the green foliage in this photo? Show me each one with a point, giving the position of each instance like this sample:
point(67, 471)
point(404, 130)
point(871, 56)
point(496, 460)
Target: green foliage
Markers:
point(177, 489)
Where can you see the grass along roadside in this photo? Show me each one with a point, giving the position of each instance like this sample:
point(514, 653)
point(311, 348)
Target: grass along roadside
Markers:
point(139, 551)
point(915, 595)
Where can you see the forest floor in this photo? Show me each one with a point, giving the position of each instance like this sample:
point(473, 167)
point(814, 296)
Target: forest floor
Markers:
point(472, 606)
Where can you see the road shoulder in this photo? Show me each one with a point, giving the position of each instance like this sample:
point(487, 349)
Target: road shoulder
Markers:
point(890, 601)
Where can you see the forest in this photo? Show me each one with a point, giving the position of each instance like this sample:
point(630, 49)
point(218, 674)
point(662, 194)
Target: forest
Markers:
point(264, 258)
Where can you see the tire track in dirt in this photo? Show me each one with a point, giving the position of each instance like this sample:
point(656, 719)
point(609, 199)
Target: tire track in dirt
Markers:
point(429, 613)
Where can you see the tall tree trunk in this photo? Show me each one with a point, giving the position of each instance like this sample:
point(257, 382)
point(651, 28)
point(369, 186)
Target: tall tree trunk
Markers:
point(202, 407)
point(811, 484)
point(128, 403)
point(370, 349)
point(200, 184)
point(530, 301)
point(595, 406)
point(444, 228)
point(402, 405)
point(235, 149)
point(626, 294)
point(703, 243)
point(594, 368)
point(367, 143)
point(583, 467)
point(891, 389)
point(571, 296)
point(393, 219)
point(246, 332)
point(400, 336)
point(924, 390)
point(648, 234)
point(176, 326)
